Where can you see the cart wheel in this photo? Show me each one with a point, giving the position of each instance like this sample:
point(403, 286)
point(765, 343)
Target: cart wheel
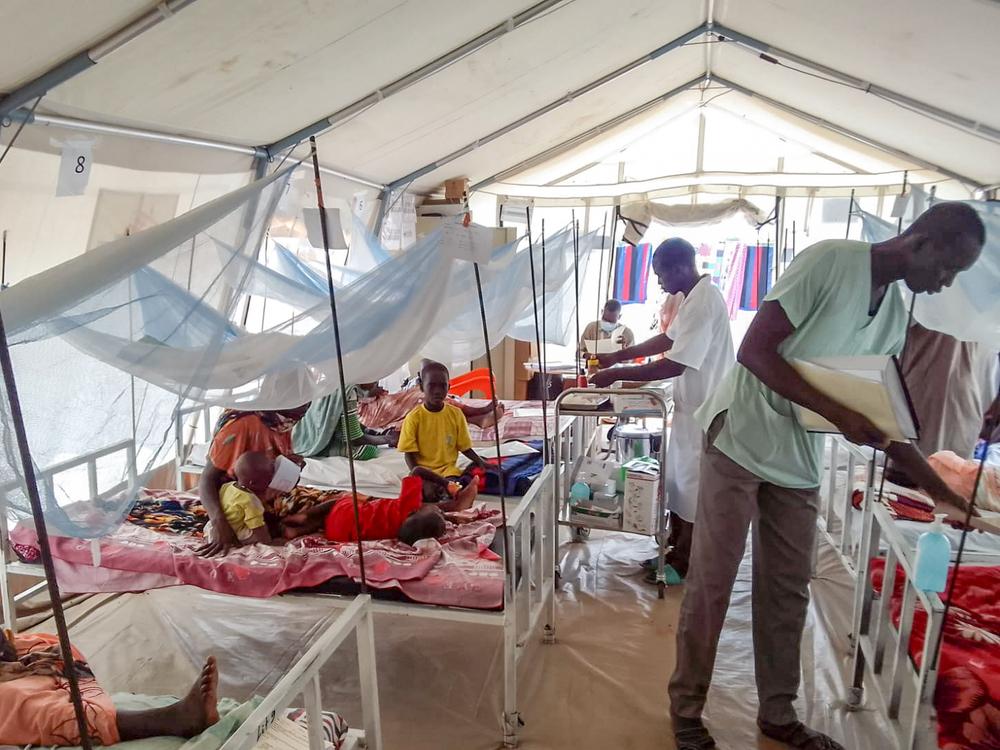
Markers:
point(660, 589)
point(580, 534)
point(855, 697)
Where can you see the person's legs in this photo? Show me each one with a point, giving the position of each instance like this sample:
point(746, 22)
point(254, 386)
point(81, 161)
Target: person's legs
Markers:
point(188, 717)
point(727, 500)
point(783, 538)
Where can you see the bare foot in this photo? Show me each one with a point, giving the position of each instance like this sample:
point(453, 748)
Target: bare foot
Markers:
point(200, 707)
point(466, 496)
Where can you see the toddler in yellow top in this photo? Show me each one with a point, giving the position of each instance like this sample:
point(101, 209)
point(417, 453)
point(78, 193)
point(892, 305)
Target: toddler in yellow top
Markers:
point(435, 432)
point(241, 500)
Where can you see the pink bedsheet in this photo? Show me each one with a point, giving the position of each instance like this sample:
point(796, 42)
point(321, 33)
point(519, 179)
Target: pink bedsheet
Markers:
point(511, 426)
point(458, 570)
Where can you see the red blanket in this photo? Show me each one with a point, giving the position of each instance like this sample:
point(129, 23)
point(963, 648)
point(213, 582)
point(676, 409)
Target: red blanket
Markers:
point(457, 570)
point(968, 687)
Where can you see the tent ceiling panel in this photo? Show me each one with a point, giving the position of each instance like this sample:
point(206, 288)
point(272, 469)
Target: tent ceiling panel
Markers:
point(913, 47)
point(255, 70)
point(613, 140)
point(878, 120)
point(401, 136)
point(35, 35)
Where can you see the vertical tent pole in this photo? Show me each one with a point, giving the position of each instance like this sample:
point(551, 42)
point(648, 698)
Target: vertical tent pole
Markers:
point(611, 256)
point(600, 263)
point(543, 357)
point(340, 356)
point(850, 215)
point(31, 486)
point(3, 262)
point(899, 222)
point(576, 289)
point(538, 340)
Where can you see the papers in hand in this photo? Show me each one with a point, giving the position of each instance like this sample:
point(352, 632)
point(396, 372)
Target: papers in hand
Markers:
point(602, 346)
point(473, 243)
point(872, 386)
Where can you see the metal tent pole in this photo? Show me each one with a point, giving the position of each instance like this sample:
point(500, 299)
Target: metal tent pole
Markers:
point(38, 515)
point(538, 340)
point(340, 356)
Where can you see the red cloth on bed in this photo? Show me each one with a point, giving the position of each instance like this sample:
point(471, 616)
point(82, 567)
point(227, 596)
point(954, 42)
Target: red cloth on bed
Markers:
point(380, 518)
point(968, 688)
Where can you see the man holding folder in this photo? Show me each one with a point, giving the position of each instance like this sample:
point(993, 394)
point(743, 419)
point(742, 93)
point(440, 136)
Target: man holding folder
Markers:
point(839, 298)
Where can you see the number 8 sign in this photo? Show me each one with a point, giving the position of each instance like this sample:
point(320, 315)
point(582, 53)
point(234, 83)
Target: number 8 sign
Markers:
point(74, 168)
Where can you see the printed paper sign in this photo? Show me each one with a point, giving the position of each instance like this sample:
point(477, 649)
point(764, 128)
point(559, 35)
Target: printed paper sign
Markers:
point(74, 168)
point(473, 243)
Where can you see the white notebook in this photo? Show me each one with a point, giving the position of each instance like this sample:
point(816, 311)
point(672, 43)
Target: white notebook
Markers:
point(872, 386)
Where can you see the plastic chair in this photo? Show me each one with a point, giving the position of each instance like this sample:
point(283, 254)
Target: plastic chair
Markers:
point(481, 380)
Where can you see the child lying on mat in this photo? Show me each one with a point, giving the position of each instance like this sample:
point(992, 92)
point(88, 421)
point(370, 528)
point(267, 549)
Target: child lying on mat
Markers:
point(434, 433)
point(35, 708)
point(418, 513)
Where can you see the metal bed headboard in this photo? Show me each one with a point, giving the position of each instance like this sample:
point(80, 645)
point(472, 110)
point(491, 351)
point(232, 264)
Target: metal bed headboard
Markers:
point(46, 479)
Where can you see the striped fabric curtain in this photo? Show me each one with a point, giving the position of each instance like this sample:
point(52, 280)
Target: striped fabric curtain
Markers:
point(757, 275)
point(632, 272)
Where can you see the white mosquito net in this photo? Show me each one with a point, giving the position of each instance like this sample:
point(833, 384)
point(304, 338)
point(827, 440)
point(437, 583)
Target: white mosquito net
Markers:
point(109, 344)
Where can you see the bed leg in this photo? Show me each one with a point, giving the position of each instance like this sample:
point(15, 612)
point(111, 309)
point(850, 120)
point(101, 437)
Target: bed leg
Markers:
point(314, 713)
point(855, 697)
point(369, 682)
point(511, 717)
point(6, 595)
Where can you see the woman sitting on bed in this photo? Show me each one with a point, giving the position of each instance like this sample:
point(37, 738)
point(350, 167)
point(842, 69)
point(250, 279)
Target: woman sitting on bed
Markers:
point(378, 409)
point(324, 429)
point(35, 707)
point(239, 432)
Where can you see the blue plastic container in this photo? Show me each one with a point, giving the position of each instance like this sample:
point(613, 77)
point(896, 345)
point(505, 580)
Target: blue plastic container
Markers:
point(933, 556)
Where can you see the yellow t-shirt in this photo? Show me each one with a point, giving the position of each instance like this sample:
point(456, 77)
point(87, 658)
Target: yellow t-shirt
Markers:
point(244, 511)
point(436, 437)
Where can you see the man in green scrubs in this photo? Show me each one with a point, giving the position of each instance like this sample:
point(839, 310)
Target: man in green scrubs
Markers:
point(839, 298)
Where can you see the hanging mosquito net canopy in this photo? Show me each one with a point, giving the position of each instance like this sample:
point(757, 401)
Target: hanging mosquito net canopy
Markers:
point(107, 345)
point(969, 309)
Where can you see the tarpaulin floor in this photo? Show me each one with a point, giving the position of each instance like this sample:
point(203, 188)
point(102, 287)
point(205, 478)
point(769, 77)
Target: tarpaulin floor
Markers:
point(602, 685)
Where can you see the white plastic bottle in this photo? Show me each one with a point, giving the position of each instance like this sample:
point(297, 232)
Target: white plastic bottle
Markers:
point(933, 555)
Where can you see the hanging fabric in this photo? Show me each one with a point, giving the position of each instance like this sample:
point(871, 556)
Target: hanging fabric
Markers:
point(756, 275)
point(632, 264)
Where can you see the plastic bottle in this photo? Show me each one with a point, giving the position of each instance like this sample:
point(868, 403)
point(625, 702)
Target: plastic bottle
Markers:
point(579, 492)
point(593, 366)
point(933, 554)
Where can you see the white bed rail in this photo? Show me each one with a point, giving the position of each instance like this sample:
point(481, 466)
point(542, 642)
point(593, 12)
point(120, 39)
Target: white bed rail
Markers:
point(185, 432)
point(46, 479)
point(303, 679)
point(837, 518)
point(904, 692)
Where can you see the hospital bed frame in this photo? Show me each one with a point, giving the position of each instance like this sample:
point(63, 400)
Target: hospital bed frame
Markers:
point(46, 478)
point(531, 529)
point(303, 678)
point(196, 420)
point(881, 663)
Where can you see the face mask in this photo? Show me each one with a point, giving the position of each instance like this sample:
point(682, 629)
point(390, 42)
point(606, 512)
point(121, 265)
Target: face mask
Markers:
point(608, 327)
point(286, 475)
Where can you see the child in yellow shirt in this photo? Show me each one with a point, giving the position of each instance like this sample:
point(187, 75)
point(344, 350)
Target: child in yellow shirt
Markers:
point(435, 432)
point(241, 500)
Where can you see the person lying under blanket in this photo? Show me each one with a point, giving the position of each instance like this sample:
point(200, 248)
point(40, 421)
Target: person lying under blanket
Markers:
point(379, 410)
point(326, 426)
point(35, 707)
point(418, 513)
point(435, 433)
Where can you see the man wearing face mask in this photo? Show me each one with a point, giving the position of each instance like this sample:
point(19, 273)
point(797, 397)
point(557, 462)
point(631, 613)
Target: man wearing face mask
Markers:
point(760, 467)
point(697, 347)
point(607, 328)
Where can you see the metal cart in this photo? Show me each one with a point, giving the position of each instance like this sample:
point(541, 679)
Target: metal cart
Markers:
point(579, 526)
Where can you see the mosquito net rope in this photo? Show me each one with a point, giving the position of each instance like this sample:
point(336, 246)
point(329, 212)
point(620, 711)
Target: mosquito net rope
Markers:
point(969, 309)
point(108, 345)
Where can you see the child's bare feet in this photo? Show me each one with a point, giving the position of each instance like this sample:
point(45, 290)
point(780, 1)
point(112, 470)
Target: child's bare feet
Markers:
point(466, 496)
point(488, 419)
point(200, 707)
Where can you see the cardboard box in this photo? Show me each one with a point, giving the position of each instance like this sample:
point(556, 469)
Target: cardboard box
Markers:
point(639, 403)
point(456, 188)
point(641, 496)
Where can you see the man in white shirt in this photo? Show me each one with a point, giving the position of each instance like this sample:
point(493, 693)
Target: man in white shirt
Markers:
point(608, 328)
point(698, 352)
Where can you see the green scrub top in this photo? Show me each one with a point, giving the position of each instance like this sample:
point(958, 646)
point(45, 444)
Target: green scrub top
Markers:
point(826, 294)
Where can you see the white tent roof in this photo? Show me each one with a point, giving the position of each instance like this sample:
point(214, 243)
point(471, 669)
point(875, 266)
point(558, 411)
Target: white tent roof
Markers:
point(845, 89)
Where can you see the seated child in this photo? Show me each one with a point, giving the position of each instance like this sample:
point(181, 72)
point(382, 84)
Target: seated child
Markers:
point(241, 500)
point(435, 432)
point(413, 515)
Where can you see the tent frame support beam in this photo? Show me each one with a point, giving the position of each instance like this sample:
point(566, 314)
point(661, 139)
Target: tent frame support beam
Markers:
point(413, 77)
point(840, 130)
point(81, 61)
point(531, 116)
point(99, 128)
point(587, 135)
point(768, 53)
